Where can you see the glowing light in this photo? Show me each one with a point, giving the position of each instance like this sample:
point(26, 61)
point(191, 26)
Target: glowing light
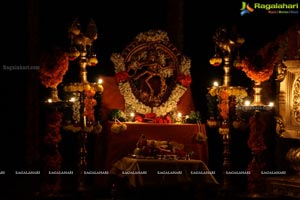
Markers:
point(72, 99)
point(215, 83)
point(132, 114)
point(100, 81)
point(179, 115)
point(247, 103)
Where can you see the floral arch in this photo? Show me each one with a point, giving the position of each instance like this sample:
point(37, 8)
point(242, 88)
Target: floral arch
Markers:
point(152, 74)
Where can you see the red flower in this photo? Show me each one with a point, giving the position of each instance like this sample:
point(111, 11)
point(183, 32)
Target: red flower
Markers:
point(256, 137)
point(168, 119)
point(139, 118)
point(121, 76)
point(153, 118)
point(184, 80)
point(150, 115)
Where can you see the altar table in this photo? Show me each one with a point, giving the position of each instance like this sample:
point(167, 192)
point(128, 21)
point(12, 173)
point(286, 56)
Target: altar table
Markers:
point(147, 172)
point(122, 144)
point(111, 147)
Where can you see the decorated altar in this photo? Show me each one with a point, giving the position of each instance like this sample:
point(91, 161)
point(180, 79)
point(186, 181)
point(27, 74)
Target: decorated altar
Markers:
point(149, 96)
point(124, 143)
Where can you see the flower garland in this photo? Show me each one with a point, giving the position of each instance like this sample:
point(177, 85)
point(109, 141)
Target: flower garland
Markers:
point(200, 135)
point(224, 105)
point(52, 185)
point(225, 102)
point(89, 109)
point(256, 183)
point(256, 140)
point(183, 82)
point(261, 67)
point(257, 145)
point(53, 158)
point(54, 120)
point(53, 68)
point(89, 103)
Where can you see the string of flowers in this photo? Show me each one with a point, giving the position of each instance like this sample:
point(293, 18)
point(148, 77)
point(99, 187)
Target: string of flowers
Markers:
point(52, 158)
point(223, 105)
point(89, 103)
point(52, 184)
point(183, 78)
point(54, 120)
point(261, 66)
point(89, 99)
point(257, 145)
point(76, 107)
point(200, 136)
point(53, 67)
point(256, 140)
point(183, 81)
point(222, 102)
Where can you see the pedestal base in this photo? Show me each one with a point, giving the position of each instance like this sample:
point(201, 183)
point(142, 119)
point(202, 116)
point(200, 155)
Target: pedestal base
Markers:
point(286, 186)
point(258, 196)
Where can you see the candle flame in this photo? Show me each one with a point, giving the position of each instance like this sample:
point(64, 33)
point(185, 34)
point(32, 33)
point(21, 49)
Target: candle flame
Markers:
point(247, 103)
point(100, 81)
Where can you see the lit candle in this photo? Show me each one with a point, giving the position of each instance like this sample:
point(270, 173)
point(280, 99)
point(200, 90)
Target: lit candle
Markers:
point(100, 81)
point(49, 100)
point(271, 104)
point(99, 86)
point(247, 103)
point(179, 117)
point(72, 99)
point(132, 115)
point(215, 83)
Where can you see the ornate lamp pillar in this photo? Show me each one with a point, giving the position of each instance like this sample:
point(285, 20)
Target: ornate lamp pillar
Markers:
point(258, 73)
point(84, 120)
point(84, 97)
point(224, 97)
point(256, 142)
point(226, 69)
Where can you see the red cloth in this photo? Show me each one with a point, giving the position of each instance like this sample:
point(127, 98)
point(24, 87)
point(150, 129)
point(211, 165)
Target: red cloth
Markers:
point(113, 99)
point(121, 144)
point(111, 147)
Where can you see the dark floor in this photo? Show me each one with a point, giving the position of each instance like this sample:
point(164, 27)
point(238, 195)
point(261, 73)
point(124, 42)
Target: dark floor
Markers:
point(27, 188)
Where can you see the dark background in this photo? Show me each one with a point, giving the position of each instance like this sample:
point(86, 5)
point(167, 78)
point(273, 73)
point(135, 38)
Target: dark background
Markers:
point(31, 27)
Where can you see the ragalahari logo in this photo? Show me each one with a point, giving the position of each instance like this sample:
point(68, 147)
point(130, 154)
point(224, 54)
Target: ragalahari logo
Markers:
point(246, 9)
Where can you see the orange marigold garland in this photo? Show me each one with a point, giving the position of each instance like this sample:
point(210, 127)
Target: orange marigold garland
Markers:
point(256, 182)
point(52, 184)
point(54, 121)
point(256, 138)
point(223, 105)
point(257, 145)
point(255, 74)
point(89, 103)
point(53, 67)
point(261, 66)
point(52, 158)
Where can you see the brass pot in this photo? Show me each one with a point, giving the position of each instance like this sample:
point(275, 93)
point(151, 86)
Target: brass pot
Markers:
point(293, 156)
